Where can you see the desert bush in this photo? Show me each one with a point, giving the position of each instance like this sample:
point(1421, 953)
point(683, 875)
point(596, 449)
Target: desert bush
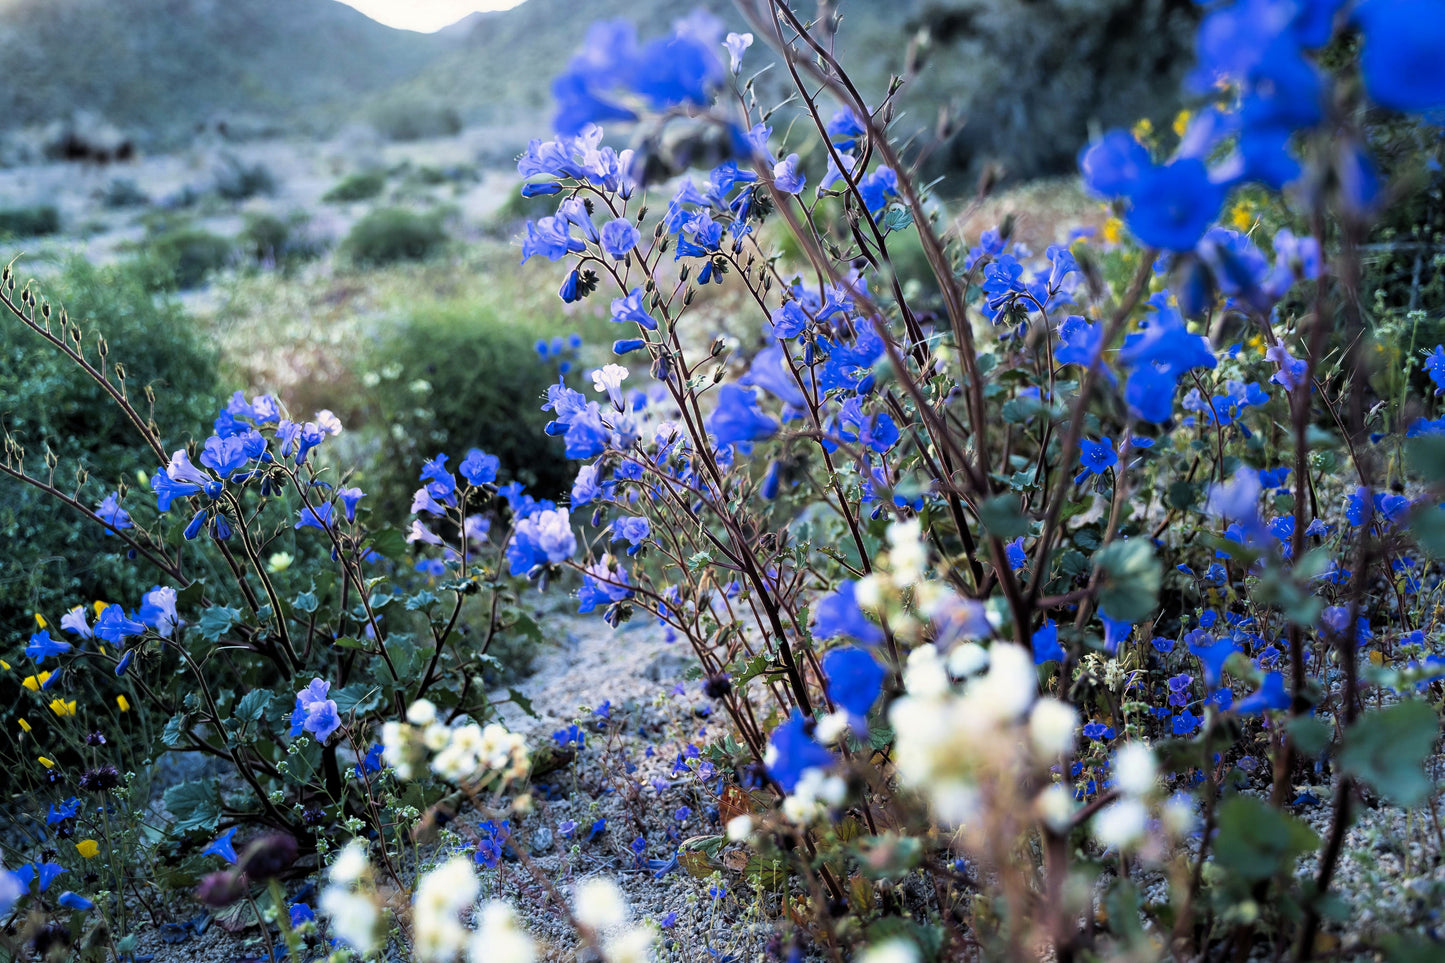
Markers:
point(278, 242)
point(46, 404)
point(235, 180)
point(176, 255)
point(391, 234)
point(37, 220)
point(360, 186)
point(412, 119)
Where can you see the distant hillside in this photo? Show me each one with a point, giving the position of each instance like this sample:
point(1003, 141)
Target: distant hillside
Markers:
point(157, 68)
point(1030, 76)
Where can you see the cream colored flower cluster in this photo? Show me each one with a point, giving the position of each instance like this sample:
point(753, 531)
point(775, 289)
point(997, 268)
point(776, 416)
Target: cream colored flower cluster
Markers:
point(457, 753)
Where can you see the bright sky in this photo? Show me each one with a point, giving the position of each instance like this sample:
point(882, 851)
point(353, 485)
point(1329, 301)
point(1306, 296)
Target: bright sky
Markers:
point(425, 15)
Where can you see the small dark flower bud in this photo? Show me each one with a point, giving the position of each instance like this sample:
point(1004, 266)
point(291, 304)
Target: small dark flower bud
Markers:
point(717, 686)
point(220, 889)
point(313, 816)
point(102, 779)
point(268, 857)
point(96, 738)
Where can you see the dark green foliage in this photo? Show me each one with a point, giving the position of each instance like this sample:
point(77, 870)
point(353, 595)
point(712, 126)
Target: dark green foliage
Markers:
point(468, 376)
point(179, 257)
point(404, 119)
point(360, 186)
point(54, 558)
point(34, 221)
point(239, 181)
point(278, 242)
point(392, 234)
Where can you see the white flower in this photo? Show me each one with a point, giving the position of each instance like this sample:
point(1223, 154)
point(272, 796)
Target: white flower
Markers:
point(349, 864)
point(1055, 806)
point(498, 938)
point(327, 421)
point(441, 896)
point(352, 918)
point(422, 712)
point(436, 737)
point(831, 728)
point(893, 951)
point(1177, 814)
point(1009, 686)
point(924, 674)
point(609, 378)
point(966, 659)
point(1120, 824)
point(1135, 770)
point(907, 556)
point(598, 903)
point(630, 946)
point(739, 828)
point(1051, 727)
point(737, 43)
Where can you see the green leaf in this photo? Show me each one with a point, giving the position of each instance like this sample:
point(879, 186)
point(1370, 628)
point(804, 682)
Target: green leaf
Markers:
point(1427, 524)
point(252, 707)
point(305, 602)
point(1425, 456)
point(216, 621)
point(1310, 735)
point(1257, 841)
point(358, 697)
point(1387, 749)
point(389, 543)
point(1001, 517)
point(1130, 577)
point(195, 805)
point(897, 219)
point(420, 601)
point(175, 731)
point(522, 702)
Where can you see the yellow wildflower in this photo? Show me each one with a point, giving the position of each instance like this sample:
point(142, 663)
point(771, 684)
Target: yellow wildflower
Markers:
point(1143, 129)
point(62, 708)
point(279, 562)
point(34, 682)
point(88, 848)
point(40, 620)
point(1113, 230)
point(1241, 216)
point(23, 724)
point(1181, 122)
point(4, 665)
point(123, 702)
point(100, 606)
point(47, 763)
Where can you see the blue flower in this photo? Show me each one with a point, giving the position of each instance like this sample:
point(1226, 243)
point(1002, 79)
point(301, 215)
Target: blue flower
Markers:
point(1112, 165)
point(792, 750)
point(837, 613)
point(549, 237)
point(110, 512)
point(73, 901)
point(1212, 655)
point(318, 516)
point(349, 499)
point(855, 679)
point(115, 627)
point(479, 468)
point(737, 419)
point(631, 309)
point(1401, 61)
point(223, 846)
point(301, 913)
point(786, 176)
point(635, 530)
point(543, 538)
point(1172, 205)
point(44, 874)
point(619, 237)
point(68, 809)
point(1096, 457)
point(42, 647)
point(1271, 695)
point(570, 736)
point(314, 712)
point(1014, 552)
point(1185, 723)
point(1046, 644)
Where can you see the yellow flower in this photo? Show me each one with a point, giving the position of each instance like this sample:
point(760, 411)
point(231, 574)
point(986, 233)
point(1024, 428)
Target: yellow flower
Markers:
point(47, 763)
point(62, 708)
point(123, 702)
point(34, 682)
point(279, 562)
point(100, 606)
point(23, 724)
point(1256, 343)
point(4, 665)
point(1241, 216)
point(1113, 230)
point(88, 848)
point(1181, 122)
point(1143, 129)
point(40, 620)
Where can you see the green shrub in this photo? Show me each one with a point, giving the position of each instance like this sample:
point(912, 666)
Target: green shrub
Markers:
point(462, 374)
point(360, 186)
point(36, 220)
point(180, 257)
point(409, 119)
point(237, 181)
point(392, 234)
point(278, 242)
point(53, 558)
